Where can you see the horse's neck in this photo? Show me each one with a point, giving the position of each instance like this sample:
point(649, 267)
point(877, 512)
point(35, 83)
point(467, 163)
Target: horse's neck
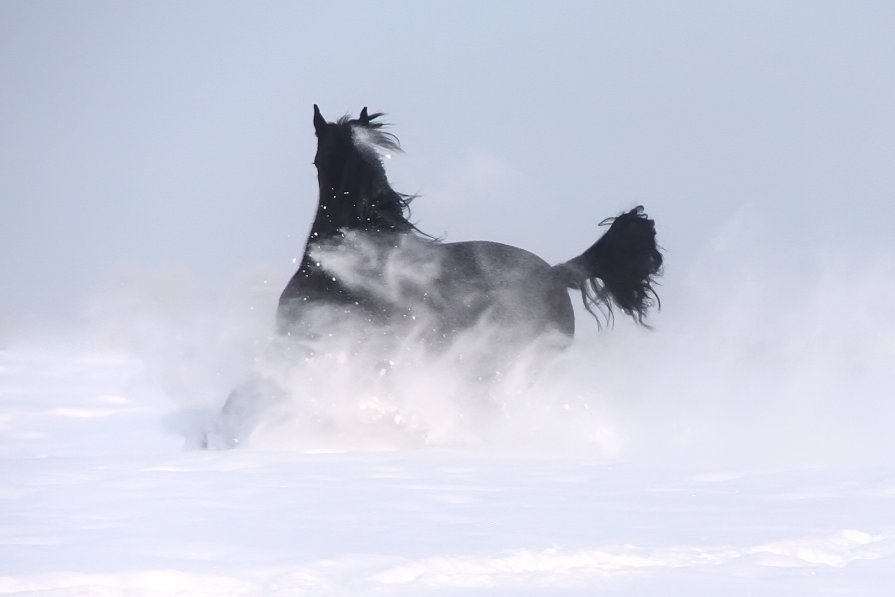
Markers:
point(383, 213)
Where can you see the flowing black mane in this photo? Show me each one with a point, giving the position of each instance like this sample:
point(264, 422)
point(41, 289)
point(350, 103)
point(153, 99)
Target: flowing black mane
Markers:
point(355, 192)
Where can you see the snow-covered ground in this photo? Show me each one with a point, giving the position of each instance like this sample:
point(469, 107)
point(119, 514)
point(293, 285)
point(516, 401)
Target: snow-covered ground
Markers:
point(710, 457)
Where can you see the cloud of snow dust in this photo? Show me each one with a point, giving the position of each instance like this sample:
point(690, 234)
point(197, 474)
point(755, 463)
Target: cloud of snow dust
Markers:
point(195, 341)
point(387, 275)
point(747, 366)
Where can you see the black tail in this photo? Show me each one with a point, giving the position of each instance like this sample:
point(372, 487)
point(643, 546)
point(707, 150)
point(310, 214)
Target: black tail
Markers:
point(619, 269)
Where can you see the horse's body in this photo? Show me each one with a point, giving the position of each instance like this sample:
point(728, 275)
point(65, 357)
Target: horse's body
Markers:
point(401, 280)
point(361, 238)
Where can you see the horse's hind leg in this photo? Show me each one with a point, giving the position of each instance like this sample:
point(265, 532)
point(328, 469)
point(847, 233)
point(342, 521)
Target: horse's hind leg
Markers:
point(244, 407)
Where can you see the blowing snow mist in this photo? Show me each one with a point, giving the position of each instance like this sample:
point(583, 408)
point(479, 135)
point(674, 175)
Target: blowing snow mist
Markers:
point(732, 378)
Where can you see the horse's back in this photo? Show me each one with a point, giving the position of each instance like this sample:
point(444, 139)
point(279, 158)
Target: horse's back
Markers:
point(515, 287)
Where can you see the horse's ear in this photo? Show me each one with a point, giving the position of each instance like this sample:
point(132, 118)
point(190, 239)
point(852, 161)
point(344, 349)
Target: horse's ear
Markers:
point(319, 121)
point(364, 117)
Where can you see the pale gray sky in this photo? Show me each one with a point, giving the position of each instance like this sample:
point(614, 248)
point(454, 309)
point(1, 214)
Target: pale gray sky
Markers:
point(160, 134)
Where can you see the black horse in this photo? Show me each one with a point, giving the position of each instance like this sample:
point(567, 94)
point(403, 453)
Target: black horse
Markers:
point(370, 276)
point(362, 231)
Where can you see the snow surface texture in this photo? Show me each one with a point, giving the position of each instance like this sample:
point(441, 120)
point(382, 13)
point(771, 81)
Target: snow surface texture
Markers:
point(737, 450)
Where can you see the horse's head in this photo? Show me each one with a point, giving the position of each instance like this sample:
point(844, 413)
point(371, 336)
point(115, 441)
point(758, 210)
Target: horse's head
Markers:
point(354, 190)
